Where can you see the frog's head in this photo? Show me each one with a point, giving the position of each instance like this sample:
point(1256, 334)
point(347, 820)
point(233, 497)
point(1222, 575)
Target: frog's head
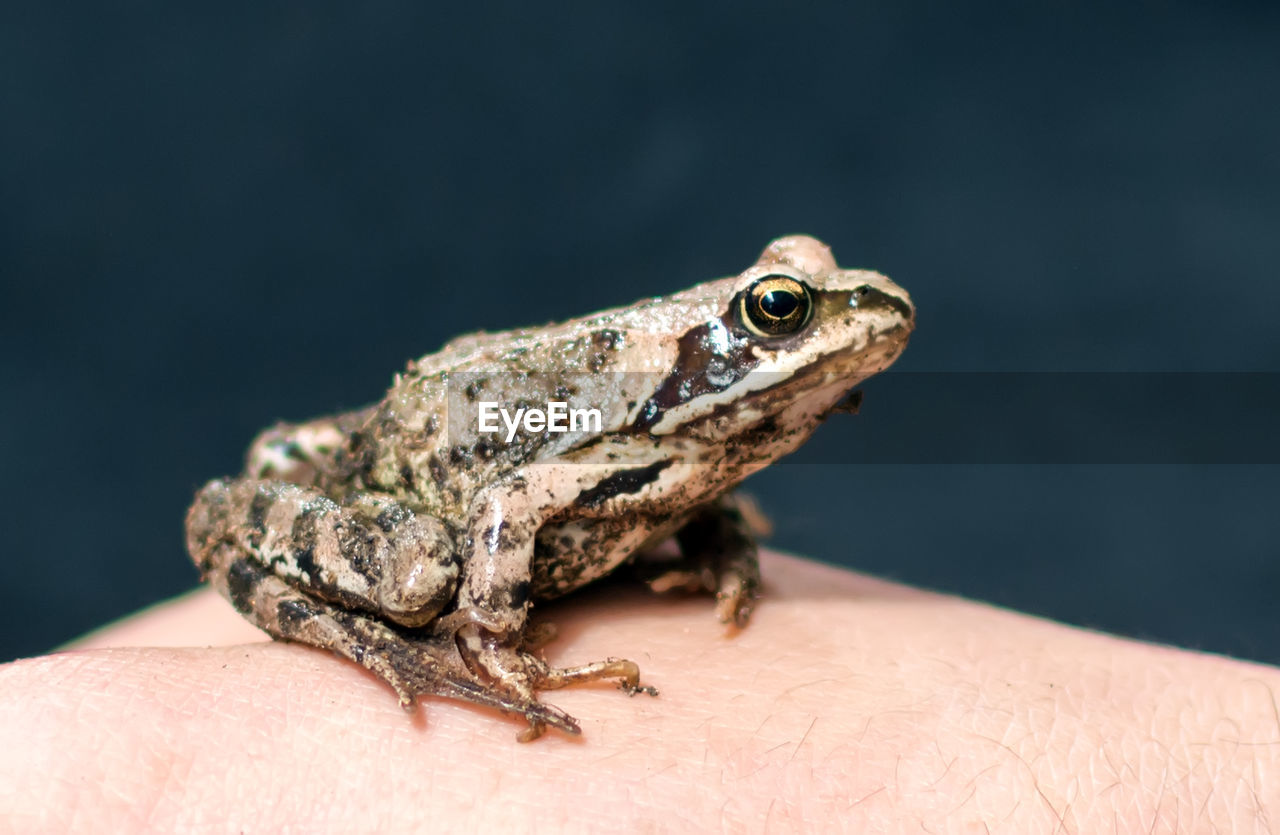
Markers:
point(792, 336)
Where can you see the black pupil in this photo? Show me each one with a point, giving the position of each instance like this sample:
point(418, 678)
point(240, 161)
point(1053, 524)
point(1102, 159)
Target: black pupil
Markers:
point(779, 303)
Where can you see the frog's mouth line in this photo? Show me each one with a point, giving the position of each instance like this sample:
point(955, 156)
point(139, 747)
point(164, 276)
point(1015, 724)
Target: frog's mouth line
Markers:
point(810, 378)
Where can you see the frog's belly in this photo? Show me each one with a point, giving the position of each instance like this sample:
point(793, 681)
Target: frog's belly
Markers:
point(570, 554)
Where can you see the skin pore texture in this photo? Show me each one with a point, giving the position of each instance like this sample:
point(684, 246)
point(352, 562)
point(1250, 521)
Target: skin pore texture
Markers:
point(848, 703)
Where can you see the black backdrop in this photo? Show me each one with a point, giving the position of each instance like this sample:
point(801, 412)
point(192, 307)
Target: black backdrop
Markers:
point(214, 218)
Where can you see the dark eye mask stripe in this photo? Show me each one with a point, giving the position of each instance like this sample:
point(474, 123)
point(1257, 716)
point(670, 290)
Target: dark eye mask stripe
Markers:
point(700, 368)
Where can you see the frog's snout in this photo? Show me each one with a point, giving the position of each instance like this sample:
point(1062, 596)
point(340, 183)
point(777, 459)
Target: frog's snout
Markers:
point(880, 293)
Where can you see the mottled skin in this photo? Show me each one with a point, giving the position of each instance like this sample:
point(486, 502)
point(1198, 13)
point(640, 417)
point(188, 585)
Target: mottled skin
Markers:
point(403, 538)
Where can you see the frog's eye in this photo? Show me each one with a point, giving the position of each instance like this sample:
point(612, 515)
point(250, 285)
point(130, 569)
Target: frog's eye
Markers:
point(775, 305)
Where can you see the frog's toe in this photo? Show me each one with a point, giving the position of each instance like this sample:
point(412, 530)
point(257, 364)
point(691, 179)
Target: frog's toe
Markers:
point(541, 715)
point(681, 579)
point(735, 600)
point(627, 673)
point(529, 734)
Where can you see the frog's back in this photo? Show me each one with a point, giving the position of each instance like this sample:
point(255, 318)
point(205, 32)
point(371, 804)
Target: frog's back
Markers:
point(489, 403)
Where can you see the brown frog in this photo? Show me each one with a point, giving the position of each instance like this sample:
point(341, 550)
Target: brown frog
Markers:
point(412, 536)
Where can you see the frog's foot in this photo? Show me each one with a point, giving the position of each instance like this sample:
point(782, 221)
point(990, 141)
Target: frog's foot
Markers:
point(553, 678)
point(627, 673)
point(736, 590)
point(717, 555)
point(520, 674)
point(413, 666)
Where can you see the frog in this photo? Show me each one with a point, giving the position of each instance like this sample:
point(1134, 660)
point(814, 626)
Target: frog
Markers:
point(411, 539)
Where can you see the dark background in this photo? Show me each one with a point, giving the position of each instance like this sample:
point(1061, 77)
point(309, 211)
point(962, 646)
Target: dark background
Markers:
point(216, 218)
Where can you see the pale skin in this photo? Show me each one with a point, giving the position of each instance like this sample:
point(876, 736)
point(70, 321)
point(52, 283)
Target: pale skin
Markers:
point(846, 704)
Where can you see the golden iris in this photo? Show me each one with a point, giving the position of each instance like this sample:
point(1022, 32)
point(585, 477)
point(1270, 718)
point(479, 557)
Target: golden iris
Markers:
point(776, 305)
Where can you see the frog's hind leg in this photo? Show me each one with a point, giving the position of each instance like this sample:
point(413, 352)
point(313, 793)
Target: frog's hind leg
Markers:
point(412, 666)
point(370, 552)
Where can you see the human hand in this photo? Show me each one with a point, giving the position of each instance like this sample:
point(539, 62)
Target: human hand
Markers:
point(847, 703)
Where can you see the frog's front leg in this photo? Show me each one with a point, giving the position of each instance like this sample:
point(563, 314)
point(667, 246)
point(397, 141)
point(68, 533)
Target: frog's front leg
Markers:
point(717, 554)
point(495, 588)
